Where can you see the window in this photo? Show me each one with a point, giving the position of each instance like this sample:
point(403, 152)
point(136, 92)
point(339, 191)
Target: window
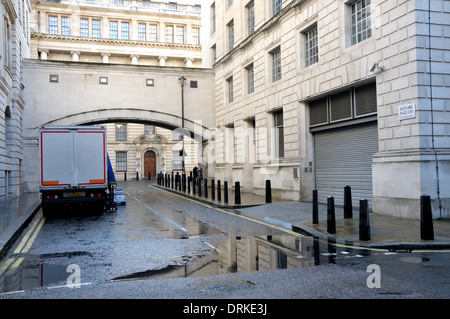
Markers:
point(230, 27)
point(179, 38)
point(84, 27)
point(114, 29)
point(65, 26)
point(251, 17)
point(366, 99)
point(340, 106)
point(121, 161)
point(125, 30)
point(361, 21)
point(177, 161)
point(230, 89)
point(311, 47)
point(279, 133)
point(196, 35)
point(121, 132)
point(353, 103)
point(153, 34)
point(169, 34)
point(318, 112)
point(250, 79)
point(142, 31)
point(96, 29)
point(276, 64)
point(276, 6)
point(53, 25)
point(213, 18)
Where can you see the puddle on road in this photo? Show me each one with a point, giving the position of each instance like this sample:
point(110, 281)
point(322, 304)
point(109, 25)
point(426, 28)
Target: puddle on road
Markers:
point(247, 254)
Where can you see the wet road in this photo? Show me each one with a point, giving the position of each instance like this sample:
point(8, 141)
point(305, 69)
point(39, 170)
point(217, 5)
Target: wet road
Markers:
point(179, 245)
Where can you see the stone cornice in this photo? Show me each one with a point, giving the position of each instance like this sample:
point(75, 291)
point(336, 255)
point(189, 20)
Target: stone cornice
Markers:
point(115, 42)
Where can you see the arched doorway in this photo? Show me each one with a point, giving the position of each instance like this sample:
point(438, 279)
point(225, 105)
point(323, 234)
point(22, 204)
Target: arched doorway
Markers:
point(150, 164)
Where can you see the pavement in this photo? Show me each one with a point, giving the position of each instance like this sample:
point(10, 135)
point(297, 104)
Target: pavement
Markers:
point(387, 232)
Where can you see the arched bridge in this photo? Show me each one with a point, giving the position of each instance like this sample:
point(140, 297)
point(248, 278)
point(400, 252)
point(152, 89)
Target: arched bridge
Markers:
point(76, 93)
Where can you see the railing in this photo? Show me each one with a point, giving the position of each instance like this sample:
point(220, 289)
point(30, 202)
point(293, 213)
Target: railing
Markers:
point(144, 4)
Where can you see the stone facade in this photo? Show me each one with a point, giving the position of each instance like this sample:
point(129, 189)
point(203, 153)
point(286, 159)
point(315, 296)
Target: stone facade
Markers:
point(121, 32)
point(389, 48)
point(14, 47)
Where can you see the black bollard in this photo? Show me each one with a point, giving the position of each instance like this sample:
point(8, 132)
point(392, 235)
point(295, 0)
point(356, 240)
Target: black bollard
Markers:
point(213, 191)
point(348, 208)
point(189, 184)
point(331, 217)
point(225, 192)
point(183, 180)
point(315, 208)
point(199, 186)
point(137, 176)
point(125, 176)
point(237, 193)
point(219, 191)
point(268, 192)
point(364, 224)
point(149, 177)
point(206, 187)
point(193, 185)
point(426, 218)
point(173, 184)
point(177, 181)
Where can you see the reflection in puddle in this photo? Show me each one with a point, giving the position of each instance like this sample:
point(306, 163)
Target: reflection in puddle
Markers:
point(227, 255)
point(246, 254)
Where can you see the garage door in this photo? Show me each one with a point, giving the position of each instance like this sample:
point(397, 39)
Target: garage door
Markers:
point(344, 157)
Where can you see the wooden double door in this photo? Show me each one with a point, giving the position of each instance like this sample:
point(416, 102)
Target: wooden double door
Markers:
point(150, 164)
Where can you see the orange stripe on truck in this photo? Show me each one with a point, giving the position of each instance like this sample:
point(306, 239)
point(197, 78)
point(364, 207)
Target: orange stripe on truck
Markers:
point(96, 181)
point(50, 183)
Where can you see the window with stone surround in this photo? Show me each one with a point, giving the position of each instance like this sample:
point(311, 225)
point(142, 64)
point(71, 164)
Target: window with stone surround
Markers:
point(361, 21)
point(311, 46)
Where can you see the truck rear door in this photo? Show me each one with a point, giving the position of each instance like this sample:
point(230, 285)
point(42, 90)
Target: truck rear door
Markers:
point(90, 157)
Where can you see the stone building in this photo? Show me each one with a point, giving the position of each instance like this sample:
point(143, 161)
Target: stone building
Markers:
point(14, 48)
point(95, 34)
point(321, 94)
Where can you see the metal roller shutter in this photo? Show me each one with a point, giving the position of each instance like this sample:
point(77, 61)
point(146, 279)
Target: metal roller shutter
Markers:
point(344, 157)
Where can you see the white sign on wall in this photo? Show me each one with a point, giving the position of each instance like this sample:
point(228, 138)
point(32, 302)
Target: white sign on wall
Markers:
point(407, 111)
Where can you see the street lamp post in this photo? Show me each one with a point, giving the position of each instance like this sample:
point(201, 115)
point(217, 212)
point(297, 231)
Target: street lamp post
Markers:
point(182, 79)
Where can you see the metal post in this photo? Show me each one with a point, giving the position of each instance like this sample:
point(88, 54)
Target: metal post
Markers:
point(219, 191)
point(137, 176)
point(189, 184)
point(315, 208)
point(348, 208)
point(364, 224)
point(225, 192)
point(206, 187)
point(199, 186)
point(426, 218)
point(237, 193)
point(194, 181)
point(331, 218)
point(213, 191)
point(125, 176)
point(268, 192)
point(184, 182)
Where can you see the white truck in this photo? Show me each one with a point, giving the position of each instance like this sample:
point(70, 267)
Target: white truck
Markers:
point(73, 168)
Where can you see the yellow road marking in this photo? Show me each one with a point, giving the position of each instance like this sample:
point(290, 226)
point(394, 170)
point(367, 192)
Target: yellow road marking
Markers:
point(6, 265)
point(30, 242)
point(27, 235)
point(14, 266)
